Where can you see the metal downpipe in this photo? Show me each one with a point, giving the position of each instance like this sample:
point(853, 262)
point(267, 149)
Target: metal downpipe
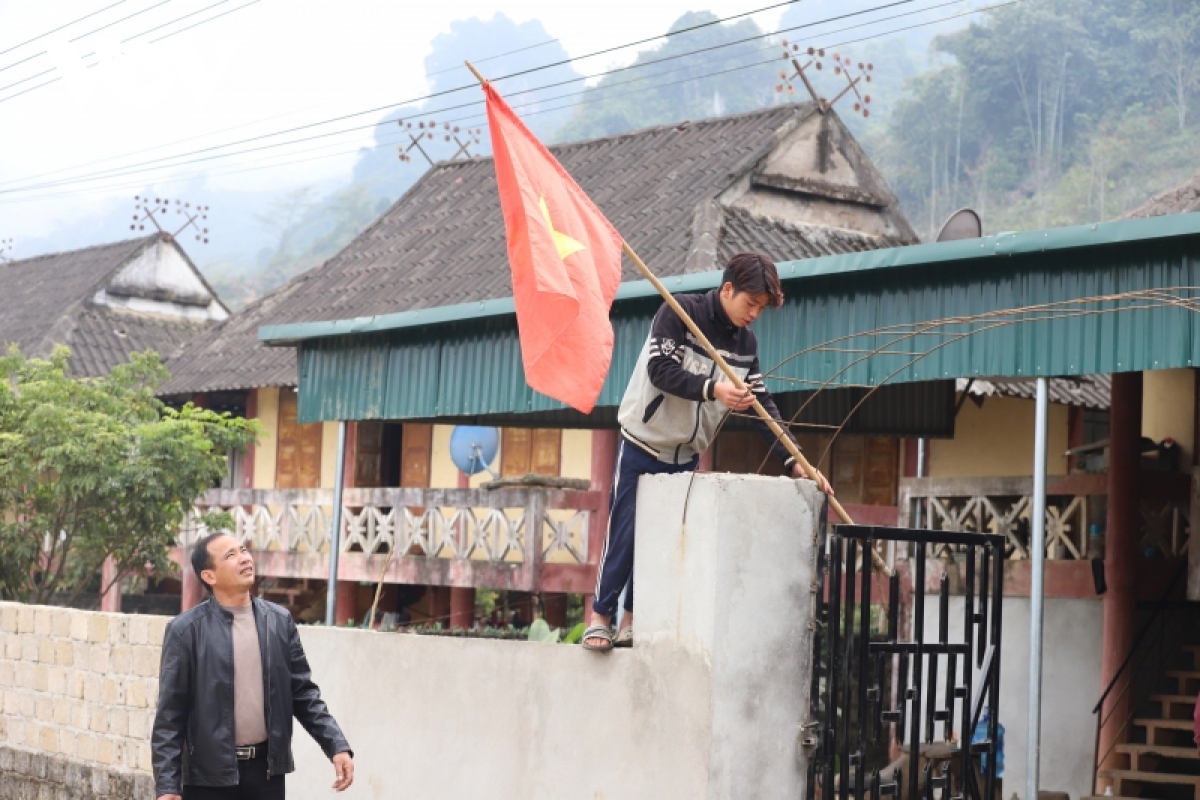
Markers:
point(1037, 592)
point(336, 528)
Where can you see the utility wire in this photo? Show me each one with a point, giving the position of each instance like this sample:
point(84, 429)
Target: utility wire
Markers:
point(390, 141)
point(61, 27)
point(666, 35)
point(172, 22)
point(123, 41)
point(119, 21)
point(445, 92)
point(204, 22)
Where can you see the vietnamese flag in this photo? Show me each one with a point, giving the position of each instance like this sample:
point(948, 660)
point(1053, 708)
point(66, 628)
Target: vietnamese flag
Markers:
point(566, 264)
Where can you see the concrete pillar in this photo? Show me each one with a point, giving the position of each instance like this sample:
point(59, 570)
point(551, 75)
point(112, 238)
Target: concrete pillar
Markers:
point(1121, 555)
point(347, 602)
point(708, 560)
point(462, 607)
point(111, 599)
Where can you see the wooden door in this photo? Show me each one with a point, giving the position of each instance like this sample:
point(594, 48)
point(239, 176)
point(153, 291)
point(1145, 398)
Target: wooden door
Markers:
point(298, 456)
point(368, 451)
point(416, 454)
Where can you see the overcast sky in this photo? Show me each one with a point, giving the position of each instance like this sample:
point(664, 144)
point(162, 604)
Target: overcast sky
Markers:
point(271, 64)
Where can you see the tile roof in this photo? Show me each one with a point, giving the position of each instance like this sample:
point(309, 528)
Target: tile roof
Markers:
point(1181, 199)
point(443, 242)
point(47, 301)
point(104, 338)
point(1085, 391)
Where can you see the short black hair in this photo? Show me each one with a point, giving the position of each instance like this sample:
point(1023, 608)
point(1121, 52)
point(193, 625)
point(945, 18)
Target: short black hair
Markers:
point(754, 273)
point(201, 558)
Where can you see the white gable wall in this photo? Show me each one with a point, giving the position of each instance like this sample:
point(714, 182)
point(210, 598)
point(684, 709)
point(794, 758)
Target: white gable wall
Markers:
point(160, 281)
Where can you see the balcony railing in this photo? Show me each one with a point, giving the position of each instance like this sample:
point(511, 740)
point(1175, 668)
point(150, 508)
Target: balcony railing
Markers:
point(1002, 505)
point(523, 538)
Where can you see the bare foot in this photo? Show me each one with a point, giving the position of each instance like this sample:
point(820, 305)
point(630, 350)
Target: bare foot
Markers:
point(597, 619)
point(626, 621)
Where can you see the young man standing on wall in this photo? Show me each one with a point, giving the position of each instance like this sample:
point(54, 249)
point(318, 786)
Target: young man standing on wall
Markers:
point(671, 411)
point(233, 677)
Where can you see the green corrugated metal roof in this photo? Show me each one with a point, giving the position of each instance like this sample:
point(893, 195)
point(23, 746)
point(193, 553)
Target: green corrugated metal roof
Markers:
point(465, 360)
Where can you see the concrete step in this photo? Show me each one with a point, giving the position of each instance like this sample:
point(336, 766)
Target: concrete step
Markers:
point(1169, 724)
point(1163, 751)
point(1182, 699)
point(1123, 775)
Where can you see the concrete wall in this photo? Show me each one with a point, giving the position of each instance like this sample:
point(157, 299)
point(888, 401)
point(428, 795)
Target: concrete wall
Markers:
point(997, 441)
point(1070, 687)
point(707, 705)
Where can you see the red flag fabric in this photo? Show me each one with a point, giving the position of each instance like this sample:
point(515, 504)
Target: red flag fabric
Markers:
point(566, 264)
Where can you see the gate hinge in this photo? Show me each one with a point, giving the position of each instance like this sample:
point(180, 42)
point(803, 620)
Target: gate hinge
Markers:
point(808, 736)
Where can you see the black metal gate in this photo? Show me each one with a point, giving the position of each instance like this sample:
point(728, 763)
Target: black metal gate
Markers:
point(855, 716)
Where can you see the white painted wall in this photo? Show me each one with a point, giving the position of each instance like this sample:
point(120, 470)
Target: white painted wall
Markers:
point(707, 705)
point(161, 267)
point(1070, 687)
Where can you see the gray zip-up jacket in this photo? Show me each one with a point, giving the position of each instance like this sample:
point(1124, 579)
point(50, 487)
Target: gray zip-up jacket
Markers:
point(670, 409)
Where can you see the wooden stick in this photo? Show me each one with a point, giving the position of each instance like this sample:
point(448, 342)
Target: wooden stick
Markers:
point(717, 358)
point(379, 586)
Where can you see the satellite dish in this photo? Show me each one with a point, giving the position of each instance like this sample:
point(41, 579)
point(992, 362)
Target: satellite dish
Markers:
point(962, 224)
point(473, 448)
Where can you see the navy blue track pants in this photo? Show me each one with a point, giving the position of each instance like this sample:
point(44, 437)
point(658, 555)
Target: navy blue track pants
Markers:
point(616, 560)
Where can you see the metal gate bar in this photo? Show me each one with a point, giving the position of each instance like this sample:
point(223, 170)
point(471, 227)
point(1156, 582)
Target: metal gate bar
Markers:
point(849, 710)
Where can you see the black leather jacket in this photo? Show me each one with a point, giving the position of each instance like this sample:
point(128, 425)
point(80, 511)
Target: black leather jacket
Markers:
point(192, 741)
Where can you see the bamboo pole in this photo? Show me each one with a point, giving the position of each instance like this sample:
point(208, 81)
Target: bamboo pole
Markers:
point(738, 384)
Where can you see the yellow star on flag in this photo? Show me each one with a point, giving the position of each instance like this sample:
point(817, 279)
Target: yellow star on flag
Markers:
point(563, 243)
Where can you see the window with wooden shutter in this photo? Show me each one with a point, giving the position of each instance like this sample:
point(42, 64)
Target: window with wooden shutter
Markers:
point(526, 450)
point(866, 470)
point(298, 457)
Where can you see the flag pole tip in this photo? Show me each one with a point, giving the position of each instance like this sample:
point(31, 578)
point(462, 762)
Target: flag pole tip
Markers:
point(478, 76)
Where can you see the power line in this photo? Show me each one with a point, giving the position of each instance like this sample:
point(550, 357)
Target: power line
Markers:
point(121, 172)
point(23, 60)
point(123, 41)
point(119, 21)
point(666, 35)
point(61, 27)
point(172, 22)
point(445, 92)
point(204, 22)
point(600, 98)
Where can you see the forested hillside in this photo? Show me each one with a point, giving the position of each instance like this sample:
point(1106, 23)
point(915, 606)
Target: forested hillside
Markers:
point(1038, 113)
point(1049, 112)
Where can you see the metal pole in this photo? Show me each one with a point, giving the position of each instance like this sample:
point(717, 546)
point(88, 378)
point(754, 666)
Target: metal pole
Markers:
point(335, 537)
point(919, 515)
point(1036, 592)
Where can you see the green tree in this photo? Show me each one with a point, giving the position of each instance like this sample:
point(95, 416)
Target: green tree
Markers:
point(96, 469)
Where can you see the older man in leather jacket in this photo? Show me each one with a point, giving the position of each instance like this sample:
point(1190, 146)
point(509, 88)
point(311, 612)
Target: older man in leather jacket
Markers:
point(233, 676)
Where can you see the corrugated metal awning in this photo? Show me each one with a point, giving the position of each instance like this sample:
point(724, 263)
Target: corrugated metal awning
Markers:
point(1094, 299)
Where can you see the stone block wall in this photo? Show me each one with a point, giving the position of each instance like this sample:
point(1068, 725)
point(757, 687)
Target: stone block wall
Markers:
point(78, 691)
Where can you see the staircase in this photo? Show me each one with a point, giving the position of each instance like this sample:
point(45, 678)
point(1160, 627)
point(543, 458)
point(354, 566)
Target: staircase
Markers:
point(1162, 761)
